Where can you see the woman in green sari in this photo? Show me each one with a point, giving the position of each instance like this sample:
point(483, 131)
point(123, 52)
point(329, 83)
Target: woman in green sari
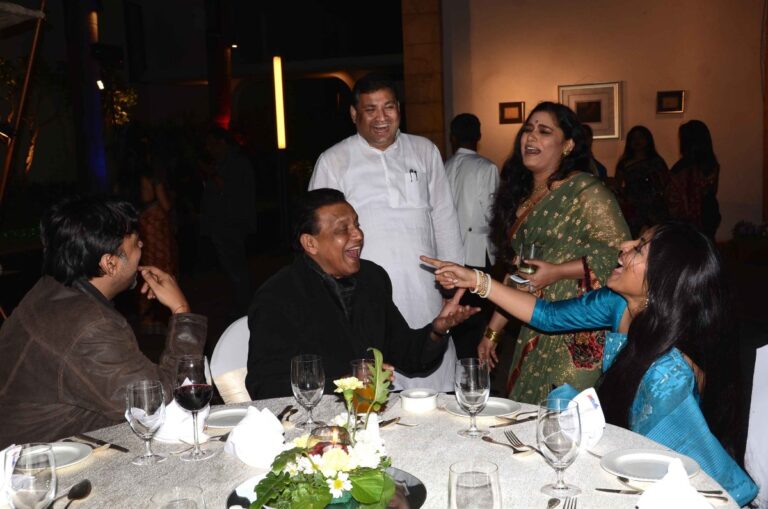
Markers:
point(547, 197)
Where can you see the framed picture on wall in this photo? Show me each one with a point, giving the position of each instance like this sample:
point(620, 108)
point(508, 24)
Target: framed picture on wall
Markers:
point(670, 101)
point(512, 113)
point(596, 104)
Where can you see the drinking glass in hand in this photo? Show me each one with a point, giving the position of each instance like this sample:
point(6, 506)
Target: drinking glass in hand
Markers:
point(193, 393)
point(33, 479)
point(558, 433)
point(145, 412)
point(474, 485)
point(473, 386)
point(528, 251)
point(308, 384)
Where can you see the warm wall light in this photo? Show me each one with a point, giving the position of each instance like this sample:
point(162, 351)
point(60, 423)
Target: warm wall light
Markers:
point(100, 84)
point(93, 26)
point(277, 67)
point(234, 46)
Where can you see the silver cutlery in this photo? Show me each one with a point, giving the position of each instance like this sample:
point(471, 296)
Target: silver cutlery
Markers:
point(515, 450)
point(516, 442)
point(284, 412)
point(96, 448)
point(552, 503)
point(509, 421)
point(396, 420)
point(618, 492)
point(714, 494)
point(570, 503)
point(75, 492)
point(290, 414)
point(98, 441)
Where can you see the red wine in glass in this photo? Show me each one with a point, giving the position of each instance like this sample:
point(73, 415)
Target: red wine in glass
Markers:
point(193, 397)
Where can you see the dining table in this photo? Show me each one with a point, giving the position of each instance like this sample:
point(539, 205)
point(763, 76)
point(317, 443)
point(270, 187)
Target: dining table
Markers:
point(425, 449)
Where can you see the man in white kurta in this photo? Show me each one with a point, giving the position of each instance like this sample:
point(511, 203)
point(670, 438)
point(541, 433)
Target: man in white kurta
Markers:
point(396, 182)
point(473, 180)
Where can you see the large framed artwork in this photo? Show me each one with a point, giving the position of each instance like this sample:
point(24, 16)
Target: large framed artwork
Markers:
point(596, 104)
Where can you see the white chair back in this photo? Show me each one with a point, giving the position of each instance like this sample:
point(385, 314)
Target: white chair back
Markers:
point(756, 456)
point(229, 362)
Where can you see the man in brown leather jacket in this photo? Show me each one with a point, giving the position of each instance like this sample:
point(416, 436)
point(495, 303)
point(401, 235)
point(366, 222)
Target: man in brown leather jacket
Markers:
point(65, 353)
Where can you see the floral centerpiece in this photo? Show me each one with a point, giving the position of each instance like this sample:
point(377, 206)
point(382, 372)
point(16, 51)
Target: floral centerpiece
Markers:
point(317, 473)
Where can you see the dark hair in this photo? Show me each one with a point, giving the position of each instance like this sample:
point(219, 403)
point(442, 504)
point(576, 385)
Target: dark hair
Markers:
point(466, 128)
point(305, 217)
point(686, 310)
point(696, 145)
point(629, 153)
point(517, 180)
point(371, 83)
point(77, 231)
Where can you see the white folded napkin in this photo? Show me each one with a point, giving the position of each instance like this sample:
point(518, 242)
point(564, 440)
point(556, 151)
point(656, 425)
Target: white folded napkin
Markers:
point(257, 439)
point(8, 457)
point(177, 426)
point(673, 491)
point(592, 418)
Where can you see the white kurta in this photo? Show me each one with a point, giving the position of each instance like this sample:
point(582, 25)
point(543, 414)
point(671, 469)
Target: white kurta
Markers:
point(473, 180)
point(404, 203)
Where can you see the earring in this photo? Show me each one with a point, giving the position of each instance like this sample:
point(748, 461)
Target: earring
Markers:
point(566, 152)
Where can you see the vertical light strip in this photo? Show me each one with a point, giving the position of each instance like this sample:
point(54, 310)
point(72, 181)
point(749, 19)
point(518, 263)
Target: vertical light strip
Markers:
point(277, 66)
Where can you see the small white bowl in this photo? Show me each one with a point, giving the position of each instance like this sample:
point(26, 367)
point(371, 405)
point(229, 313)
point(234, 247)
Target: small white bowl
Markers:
point(418, 401)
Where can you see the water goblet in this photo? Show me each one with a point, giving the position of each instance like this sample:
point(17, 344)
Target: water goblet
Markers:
point(474, 484)
point(558, 433)
point(193, 393)
point(308, 384)
point(179, 497)
point(33, 478)
point(145, 412)
point(473, 386)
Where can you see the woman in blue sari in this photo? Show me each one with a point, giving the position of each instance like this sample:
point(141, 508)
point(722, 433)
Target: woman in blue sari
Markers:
point(664, 307)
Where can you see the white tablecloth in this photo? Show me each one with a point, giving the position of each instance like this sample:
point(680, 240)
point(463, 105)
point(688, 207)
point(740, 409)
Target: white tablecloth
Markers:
point(425, 451)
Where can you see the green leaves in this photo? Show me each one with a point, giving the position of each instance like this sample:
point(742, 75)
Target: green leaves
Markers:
point(281, 491)
point(380, 380)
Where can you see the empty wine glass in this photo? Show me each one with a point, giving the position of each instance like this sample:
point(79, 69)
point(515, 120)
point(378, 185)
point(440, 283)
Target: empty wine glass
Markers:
point(474, 484)
point(308, 384)
point(33, 478)
point(193, 393)
point(145, 412)
point(473, 386)
point(558, 433)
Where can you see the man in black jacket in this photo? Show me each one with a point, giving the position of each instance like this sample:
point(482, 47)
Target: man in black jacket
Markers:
point(331, 303)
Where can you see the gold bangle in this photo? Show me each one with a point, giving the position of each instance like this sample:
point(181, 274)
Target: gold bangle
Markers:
point(492, 335)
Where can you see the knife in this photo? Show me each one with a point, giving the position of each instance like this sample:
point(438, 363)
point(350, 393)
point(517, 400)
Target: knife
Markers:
point(93, 440)
point(510, 422)
point(284, 412)
point(394, 420)
point(620, 492)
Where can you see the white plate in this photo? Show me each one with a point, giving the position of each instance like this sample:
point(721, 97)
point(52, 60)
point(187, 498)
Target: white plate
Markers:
point(645, 464)
point(69, 453)
point(494, 408)
point(226, 417)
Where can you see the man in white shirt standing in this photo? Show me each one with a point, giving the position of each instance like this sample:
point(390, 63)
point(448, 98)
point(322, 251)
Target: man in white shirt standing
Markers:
point(473, 180)
point(396, 182)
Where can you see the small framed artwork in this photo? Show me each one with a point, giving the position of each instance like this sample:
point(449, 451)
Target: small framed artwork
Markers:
point(670, 101)
point(596, 104)
point(512, 113)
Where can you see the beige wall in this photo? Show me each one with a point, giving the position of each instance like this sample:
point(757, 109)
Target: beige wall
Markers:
point(520, 50)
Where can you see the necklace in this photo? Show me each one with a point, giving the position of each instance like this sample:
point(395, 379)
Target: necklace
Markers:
point(529, 202)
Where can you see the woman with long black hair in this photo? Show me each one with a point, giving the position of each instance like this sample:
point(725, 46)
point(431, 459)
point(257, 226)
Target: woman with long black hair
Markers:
point(665, 306)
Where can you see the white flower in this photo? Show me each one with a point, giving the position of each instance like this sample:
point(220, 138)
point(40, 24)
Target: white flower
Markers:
point(334, 460)
point(306, 466)
point(339, 485)
point(292, 469)
point(301, 441)
point(365, 455)
point(350, 383)
point(340, 420)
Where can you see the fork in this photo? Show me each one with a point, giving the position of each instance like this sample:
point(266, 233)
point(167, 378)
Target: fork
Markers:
point(570, 503)
point(516, 442)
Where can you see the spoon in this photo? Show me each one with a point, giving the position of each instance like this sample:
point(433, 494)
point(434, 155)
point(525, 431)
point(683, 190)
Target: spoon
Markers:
point(77, 491)
point(553, 502)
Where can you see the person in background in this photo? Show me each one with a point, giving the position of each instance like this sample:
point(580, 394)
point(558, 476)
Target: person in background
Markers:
point(641, 181)
point(65, 352)
point(473, 180)
point(331, 303)
point(228, 212)
point(597, 168)
point(396, 182)
point(549, 197)
point(660, 366)
point(692, 190)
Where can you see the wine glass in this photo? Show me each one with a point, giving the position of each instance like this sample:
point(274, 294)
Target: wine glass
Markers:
point(145, 412)
point(33, 479)
point(362, 398)
point(528, 251)
point(193, 393)
point(308, 384)
point(558, 433)
point(473, 386)
point(474, 484)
